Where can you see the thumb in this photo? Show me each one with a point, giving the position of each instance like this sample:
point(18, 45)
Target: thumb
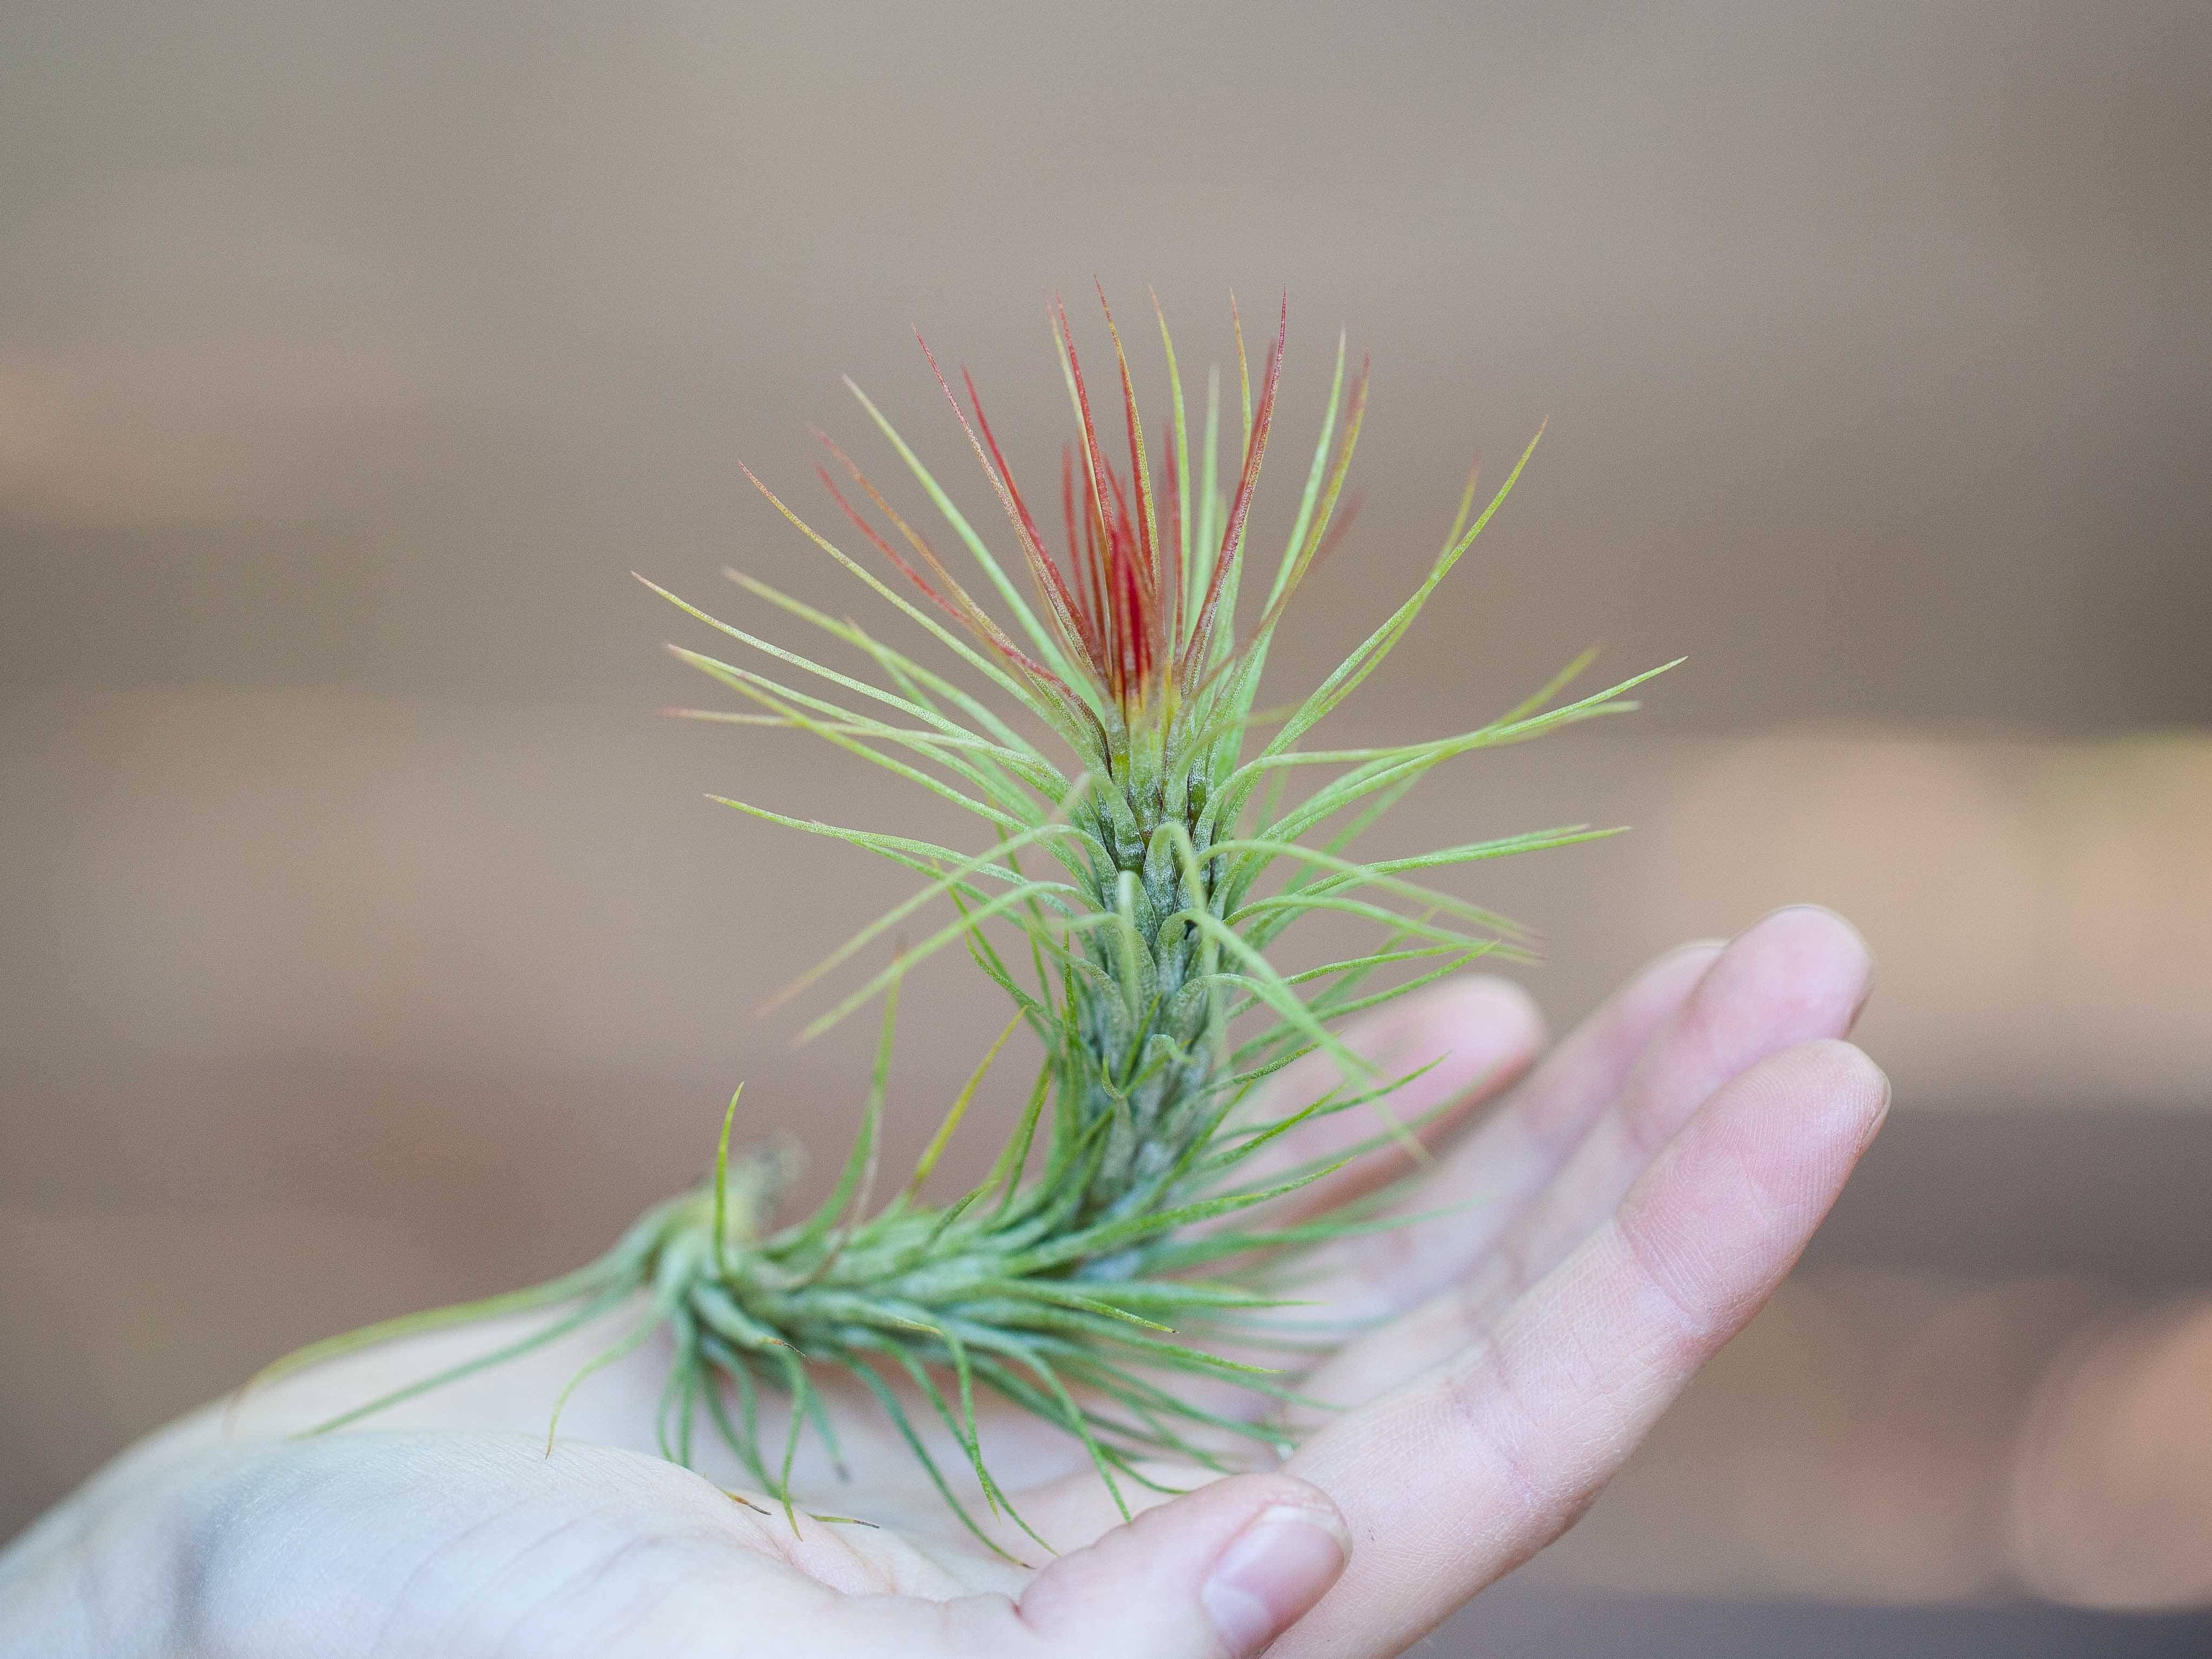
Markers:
point(1218, 1573)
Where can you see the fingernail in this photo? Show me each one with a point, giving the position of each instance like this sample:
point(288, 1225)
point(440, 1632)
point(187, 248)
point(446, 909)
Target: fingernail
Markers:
point(1273, 1571)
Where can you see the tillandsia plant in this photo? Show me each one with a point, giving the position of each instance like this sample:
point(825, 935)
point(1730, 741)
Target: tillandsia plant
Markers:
point(1125, 898)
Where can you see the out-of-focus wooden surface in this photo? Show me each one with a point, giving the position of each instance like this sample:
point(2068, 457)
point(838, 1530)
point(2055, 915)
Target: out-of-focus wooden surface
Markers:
point(364, 943)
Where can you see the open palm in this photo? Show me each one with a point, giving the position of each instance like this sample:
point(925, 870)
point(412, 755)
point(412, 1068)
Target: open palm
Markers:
point(1624, 1207)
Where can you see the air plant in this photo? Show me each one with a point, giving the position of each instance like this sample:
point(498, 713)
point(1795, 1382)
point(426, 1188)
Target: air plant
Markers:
point(1125, 898)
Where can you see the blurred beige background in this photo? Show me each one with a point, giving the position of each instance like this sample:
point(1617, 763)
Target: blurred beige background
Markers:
point(368, 939)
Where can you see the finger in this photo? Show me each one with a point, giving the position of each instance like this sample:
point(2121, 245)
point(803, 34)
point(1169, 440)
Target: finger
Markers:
point(1218, 1573)
point(1446, 1323)
point(1486, 1181)
point(1467, 1039)
point(1458, 1475)
point(1797, 976)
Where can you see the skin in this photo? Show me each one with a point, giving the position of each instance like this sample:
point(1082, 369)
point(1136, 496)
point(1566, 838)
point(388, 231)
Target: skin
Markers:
point(1619, 1210)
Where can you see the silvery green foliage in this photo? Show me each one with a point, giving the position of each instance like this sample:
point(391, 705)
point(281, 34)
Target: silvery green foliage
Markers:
point(1124, 899)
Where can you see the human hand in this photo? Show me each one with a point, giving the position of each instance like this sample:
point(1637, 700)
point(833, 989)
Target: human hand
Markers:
point(1622, 1211)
